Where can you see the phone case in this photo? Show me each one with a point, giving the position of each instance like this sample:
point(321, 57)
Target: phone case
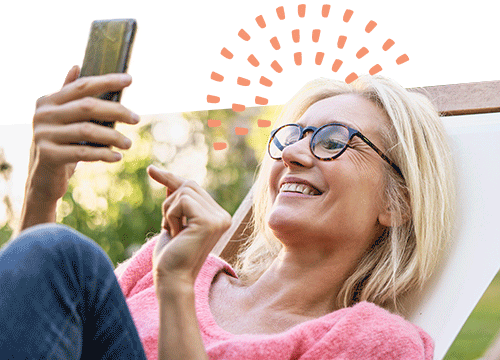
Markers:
point(108, 51)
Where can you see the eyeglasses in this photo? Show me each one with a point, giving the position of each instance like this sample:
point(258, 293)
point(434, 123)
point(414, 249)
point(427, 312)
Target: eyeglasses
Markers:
point(328, 142)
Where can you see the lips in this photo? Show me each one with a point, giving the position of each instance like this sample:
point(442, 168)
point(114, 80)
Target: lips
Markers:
point(293, 184)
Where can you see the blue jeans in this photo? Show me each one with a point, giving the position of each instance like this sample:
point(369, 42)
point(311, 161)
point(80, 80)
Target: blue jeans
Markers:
point(60, 299)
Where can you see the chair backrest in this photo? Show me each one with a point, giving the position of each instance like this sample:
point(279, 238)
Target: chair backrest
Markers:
point(471, 114)
point(472, 260)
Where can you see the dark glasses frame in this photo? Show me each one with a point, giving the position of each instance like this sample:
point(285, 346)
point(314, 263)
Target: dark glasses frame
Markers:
point(352, 132)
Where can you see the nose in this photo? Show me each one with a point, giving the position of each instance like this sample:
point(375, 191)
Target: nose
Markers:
point(298, 154)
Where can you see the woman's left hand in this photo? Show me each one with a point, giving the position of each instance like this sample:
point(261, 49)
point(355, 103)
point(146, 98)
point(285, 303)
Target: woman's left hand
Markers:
point(195, 222)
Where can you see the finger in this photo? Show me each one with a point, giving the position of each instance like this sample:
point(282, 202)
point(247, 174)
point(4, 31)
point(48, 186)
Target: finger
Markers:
point(182, 194)
point(88, 108)
point(72, 75)
point(171, 181)
point(196, 212)
point(63, 154)
point(80, 132)
point(177, 214)
point(174, 182)
point(91, 86)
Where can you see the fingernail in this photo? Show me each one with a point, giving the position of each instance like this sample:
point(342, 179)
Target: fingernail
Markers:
point(126, 78)
point(127, 142)
point(136, 118)
point(118, 156)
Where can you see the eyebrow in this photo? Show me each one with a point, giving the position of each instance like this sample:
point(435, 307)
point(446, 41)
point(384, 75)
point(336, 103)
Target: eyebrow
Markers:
point(335, 121)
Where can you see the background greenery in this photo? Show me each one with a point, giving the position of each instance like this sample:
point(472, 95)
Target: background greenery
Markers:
point(118, 206)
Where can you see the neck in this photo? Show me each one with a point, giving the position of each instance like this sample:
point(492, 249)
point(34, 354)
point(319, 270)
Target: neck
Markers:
point(301, 282)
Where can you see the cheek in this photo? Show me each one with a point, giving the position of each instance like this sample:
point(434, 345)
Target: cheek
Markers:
point(274, 179)
point(353, 191)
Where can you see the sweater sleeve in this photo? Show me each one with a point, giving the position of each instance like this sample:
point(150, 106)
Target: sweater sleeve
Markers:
point(136, 267)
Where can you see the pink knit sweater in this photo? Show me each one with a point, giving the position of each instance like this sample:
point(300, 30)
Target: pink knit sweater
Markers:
point(364, 331)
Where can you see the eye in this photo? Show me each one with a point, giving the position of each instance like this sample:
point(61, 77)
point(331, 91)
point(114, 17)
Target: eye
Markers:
point(288, 135)
point(332, 144)
point(329, 141)
point(289, 140)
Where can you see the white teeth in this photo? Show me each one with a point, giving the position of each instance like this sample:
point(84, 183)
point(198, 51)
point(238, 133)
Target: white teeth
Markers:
point(299, 188)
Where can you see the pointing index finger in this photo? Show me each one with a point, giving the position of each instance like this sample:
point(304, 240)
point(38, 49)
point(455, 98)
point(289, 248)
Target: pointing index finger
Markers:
point(171, 181)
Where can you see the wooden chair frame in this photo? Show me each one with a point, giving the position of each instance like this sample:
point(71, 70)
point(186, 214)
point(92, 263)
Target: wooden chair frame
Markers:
point(450, 100)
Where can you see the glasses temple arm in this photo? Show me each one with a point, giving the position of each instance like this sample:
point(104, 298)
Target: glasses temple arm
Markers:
point(381, 154)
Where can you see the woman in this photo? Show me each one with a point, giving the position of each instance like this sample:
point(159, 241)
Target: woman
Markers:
point(351, 209)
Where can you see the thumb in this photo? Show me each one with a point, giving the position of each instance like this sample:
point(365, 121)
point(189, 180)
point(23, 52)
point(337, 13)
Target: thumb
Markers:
point(72, 75)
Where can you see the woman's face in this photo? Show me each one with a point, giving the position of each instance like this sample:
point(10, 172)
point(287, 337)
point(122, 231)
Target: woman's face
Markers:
point(349, 210)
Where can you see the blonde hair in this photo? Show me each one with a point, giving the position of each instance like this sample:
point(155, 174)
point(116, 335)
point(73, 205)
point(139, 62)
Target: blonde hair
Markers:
point(422, 204)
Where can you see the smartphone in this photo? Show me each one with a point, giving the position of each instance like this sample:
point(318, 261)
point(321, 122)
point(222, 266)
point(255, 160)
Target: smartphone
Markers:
point(108, 51)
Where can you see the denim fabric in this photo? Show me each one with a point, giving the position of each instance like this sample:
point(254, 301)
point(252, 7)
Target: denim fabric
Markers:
point(60, 299)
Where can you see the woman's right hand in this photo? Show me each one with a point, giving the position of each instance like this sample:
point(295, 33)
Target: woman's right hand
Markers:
point(61, 121)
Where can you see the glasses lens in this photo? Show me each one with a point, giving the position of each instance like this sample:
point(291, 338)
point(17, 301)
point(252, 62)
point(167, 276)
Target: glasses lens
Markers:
point(287, 135)
point(329, 141)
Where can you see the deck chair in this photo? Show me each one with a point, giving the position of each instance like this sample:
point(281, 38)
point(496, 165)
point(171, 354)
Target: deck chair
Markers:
point(471, 114)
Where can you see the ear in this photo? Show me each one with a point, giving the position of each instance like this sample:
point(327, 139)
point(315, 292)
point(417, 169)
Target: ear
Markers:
point(398, 213)
point(389, 217)
point(385, 217)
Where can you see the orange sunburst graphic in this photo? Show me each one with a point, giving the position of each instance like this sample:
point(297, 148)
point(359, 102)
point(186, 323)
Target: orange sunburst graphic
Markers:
point(280, 64)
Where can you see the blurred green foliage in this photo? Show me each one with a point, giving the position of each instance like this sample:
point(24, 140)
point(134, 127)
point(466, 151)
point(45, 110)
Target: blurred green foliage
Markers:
point(481, 328)
point(119, 206)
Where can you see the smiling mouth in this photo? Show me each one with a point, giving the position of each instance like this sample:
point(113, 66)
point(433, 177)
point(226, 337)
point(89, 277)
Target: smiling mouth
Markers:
point(299, 188)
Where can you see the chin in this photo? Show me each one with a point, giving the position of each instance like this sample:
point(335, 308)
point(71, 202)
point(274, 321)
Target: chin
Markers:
point(284, 221)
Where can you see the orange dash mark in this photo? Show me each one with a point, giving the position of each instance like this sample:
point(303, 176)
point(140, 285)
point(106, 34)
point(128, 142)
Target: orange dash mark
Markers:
point(265, 81)
point(276, 67)
point(263, 123)
point(370, 26)
point(315, 35)
point(281, 13)
point(341, 42)
point(244, 35)
point(375, 69)
point(402, 59)
point(213, 123)
point(252, 60)
point(261, 101)
point(240, 131)
point(302, 10)
point(336, 65)
point(213, 99)
point(226, 53)
point(242, 81)
point(297, 57)
point(220, 146)
point(275, 43)
point(296, 35)
point(361, 52)
point(238, 107)
point(350, 78)
point(260, 21)
point(325, 10)
point(217, 77)
point(319, 58)
point(388, 44)
point(347, 15)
